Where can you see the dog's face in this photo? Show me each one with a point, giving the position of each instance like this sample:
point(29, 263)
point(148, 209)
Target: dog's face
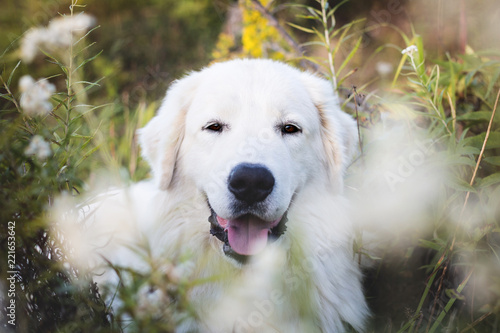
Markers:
point(250, 135)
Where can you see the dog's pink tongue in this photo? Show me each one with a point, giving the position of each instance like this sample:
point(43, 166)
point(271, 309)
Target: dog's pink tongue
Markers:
point(248, 235)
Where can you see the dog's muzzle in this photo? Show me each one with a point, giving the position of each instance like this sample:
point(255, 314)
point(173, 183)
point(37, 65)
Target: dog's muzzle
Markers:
point(247, 234)
point(222, 234)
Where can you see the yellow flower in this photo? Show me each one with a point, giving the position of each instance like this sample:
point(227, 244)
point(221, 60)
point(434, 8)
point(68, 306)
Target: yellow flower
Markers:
point(259, 39)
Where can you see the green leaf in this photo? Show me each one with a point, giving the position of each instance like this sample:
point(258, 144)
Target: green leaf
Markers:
point(346, 27)
point(88, 33)
point(93, 84)
point(7, 97)
point(340, 39)
point(416, 82)
point(87, 61)
point(58, 138)
point(313, 43)
point(424, 295)
point(85, 144)
point(459, 185)
point(83, 49)
point(313, 60)
point(351, 72)
point(56, 62)
point(313, 10)
point(430, 245)
point(398, 70)
point(472, 73)
point(334, 9)
point(320, 35)
point(448, 306)
point(476, 116)
point(10, 46)
point(351, 54)
point(12, 73)
point(494, 160)
point(460, 160)
point(452, 293)
point(307, 17)
point(468, 150)
point(490, 180)
point(80, 136)
point(419, 58)
point(493, 81)
point(477, 140)
point(310, 31)
point(87, 154)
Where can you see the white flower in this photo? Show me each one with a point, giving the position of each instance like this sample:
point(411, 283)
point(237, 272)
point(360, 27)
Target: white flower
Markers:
point(410, 50)
point(35, 96)
point(38, 147)
point(26, 82)
point(31, 43)
point(77, 25)
point(58, 35)
point(384, 68)
point(63, 31)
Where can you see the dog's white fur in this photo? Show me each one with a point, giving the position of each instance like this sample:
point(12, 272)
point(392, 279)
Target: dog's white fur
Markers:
point(308, 279)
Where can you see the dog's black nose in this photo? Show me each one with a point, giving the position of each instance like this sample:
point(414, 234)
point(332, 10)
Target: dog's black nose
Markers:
point(251, 182)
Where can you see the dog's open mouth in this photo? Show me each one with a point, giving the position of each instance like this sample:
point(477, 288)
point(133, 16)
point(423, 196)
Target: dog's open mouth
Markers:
point(246, 235)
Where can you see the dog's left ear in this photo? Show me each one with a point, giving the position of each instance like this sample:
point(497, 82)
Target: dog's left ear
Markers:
point(338, 129)
point(161, 138)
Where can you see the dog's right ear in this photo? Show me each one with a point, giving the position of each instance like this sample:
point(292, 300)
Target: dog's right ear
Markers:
point(338, 129)
point(161, 138)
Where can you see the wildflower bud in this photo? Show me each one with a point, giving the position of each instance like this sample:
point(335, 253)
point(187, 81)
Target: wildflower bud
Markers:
point(410, 50)
point(38, 147)
point(35, 96)
point(26, 83)
point(58, 36)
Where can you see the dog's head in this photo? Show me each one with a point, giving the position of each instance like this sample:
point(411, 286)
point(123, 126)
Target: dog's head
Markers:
point(250, 135)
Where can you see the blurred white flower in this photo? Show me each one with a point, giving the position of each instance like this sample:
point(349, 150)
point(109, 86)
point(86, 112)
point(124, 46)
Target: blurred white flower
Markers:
point(38, 147)
point(26, 82)
point(63, 30)
point(410, 50)
point(31, 43)
point(384, 68)
point(35, 95)
point(58, 35)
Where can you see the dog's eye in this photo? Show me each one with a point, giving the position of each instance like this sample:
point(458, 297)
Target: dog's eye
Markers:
point(290, 129)
point(215, 127)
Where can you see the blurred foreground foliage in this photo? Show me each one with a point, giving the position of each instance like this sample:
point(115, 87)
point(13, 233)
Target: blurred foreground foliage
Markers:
point(451, 269)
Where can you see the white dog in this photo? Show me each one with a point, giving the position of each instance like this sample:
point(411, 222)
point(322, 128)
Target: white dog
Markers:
point(248, 159)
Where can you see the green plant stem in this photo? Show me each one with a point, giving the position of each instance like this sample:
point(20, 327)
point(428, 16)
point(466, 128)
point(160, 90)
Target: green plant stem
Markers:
point(434, 107)
point(483, 317)
point(426, 291)
point(482, 152)
point(355, 92)
point(69, 85)
point(450, 303)
point(438, 292)
point(9, 92)
point(453, 112)
point(331, 65)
